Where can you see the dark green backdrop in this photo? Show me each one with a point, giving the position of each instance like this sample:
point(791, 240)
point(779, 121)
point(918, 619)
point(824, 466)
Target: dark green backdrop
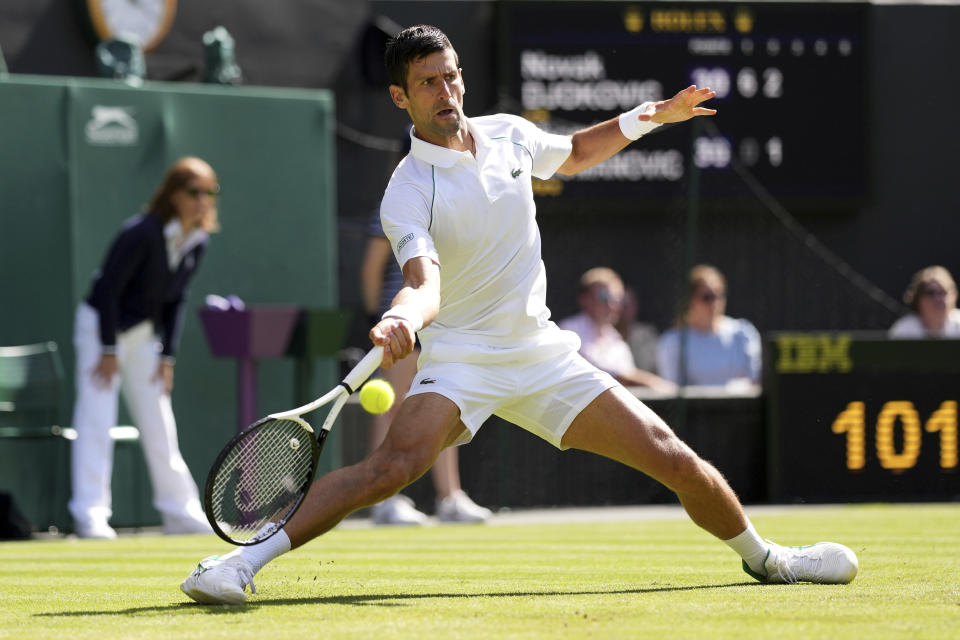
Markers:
point(81, 155)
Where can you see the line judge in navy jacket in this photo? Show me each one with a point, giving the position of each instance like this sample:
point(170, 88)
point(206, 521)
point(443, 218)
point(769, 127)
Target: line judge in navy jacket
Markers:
point(126, 334)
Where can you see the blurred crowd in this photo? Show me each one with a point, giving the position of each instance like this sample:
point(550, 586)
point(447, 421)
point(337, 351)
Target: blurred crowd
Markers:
point(706, 347)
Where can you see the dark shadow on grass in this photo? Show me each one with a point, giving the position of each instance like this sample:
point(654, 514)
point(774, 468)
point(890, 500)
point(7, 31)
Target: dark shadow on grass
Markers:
point(378, 599)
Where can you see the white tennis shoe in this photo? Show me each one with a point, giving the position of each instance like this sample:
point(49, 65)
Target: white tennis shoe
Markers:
point(220, 581)
point(397, 510)
point(823, 563)
point(97, 529)
point(458, 507)
point(184, 526)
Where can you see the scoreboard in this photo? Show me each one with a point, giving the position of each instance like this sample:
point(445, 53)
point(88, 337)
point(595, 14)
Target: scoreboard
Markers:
point(791, 95)
point(852, 417)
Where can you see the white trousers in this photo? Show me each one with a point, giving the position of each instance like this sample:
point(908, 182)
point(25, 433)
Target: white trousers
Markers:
point(175, 493)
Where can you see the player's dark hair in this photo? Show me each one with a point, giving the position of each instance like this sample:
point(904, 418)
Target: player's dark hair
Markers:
point(412, 44)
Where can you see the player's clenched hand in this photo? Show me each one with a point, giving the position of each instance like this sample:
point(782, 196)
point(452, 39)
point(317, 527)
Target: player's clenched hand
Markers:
point(683, 106)
point(397, 338)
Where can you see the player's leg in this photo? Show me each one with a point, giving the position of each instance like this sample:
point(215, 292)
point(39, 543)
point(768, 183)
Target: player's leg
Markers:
point(425, 425)
point(398, 509)
point(618, 426)
point(175, 493)
point(94, 412)
point(453, 504)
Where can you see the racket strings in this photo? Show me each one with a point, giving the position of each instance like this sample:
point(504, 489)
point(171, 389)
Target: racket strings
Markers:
point(262, 477)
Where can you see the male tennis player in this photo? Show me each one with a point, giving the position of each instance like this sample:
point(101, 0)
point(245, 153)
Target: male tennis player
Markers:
point(459, 212)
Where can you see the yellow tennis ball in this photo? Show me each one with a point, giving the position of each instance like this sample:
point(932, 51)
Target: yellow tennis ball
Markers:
point(377, 396)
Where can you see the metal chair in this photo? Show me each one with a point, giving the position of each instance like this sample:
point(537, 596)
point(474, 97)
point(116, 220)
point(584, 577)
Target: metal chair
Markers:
point(34, 456)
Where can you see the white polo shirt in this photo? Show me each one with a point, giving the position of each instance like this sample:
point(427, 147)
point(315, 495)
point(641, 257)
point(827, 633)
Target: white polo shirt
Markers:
point(475, 217)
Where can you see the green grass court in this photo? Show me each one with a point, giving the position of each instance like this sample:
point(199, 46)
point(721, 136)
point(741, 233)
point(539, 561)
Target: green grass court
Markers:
point(656, 578)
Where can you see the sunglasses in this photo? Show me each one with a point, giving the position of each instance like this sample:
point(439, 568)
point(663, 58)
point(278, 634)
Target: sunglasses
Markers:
point(604, 296)
point(194, 192)
point(710, 296)
point(933, 292)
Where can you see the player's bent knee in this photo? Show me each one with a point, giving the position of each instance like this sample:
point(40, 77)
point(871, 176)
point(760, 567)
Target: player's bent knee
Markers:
point(390, 474)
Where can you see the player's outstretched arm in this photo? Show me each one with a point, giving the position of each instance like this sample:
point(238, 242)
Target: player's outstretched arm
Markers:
point(593, 145)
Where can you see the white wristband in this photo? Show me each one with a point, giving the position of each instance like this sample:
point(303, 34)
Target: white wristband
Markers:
point(633, 128)
point(406, 312)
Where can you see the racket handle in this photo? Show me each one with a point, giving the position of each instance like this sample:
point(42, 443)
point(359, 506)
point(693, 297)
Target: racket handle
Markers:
point(364, 369)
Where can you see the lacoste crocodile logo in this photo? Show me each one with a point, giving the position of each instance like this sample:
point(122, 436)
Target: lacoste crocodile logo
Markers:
point(428, 381)
point(516, 172)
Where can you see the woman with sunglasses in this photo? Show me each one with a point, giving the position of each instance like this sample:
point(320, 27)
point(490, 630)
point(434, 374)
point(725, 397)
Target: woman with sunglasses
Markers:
point(720, 350)
point(932, 295)
point(126, 333)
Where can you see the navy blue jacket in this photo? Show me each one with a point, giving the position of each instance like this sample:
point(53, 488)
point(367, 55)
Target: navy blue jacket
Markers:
point(136, 283)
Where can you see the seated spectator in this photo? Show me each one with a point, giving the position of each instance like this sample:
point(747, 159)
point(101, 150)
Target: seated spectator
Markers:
point(600, 300)
point(720, 350)
point(932, 295)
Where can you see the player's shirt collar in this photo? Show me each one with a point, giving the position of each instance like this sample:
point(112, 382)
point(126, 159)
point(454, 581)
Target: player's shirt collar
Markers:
point(443, 157)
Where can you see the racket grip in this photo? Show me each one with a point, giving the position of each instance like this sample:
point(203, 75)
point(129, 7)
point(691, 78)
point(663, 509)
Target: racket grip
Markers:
point(364, 369)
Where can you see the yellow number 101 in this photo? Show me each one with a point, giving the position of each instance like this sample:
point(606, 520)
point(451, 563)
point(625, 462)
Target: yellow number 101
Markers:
point(852, 422)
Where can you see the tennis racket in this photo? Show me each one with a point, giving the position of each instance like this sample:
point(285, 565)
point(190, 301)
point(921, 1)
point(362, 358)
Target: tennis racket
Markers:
point(261, 477)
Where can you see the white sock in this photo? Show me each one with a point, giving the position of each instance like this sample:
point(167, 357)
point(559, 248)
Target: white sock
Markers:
point(751, 547)
point(263, 552)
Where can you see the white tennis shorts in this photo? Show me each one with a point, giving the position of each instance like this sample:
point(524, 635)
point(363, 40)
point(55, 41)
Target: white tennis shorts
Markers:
point(542, 397)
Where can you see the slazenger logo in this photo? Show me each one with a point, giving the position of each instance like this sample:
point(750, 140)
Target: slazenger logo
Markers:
point(112, 126)
point(404, 240)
